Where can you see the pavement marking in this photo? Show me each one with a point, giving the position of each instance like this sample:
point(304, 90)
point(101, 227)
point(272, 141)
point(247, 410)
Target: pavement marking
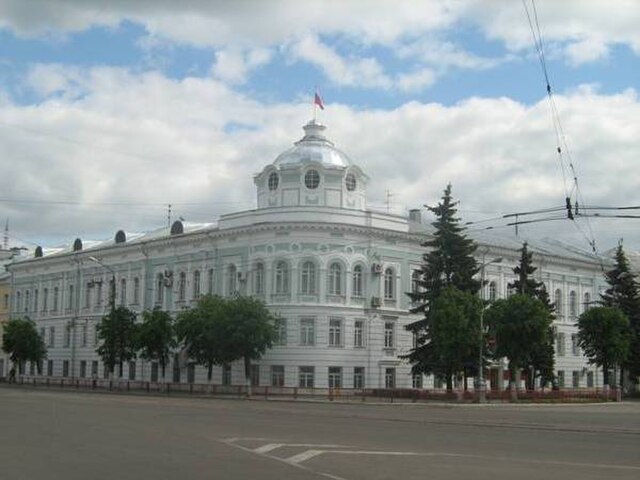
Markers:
point(267, 448)
point(306, 455)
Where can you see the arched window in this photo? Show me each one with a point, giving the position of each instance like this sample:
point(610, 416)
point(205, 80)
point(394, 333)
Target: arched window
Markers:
point(136, 290)
point(312, 179)
point(350, 182)
point(182, 286)
point(210, 281)
point(26, 301)
point(18, 302)
point(273, 181)
point(45, 299)
point(159, 289)
point(282, 278)
point(56, 295)
point(196, 284)
point(587, 302)
point(389, 284)
point(573, 304)
point(493, 291)
point(557, 300)
point(258, 280)
point(335, 279)
point(308, 278)
point(123, 291)
point(232, 279)
point(35, 300)
point(357, 287)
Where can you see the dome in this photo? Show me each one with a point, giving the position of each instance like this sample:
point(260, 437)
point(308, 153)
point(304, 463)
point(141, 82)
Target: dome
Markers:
point(314, 147)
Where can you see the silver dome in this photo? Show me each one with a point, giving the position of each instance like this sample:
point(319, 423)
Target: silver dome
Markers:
point(313, 147)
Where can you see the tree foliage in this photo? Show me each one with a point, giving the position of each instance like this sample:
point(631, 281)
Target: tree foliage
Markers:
point(448, 262)
point(116, 337)
point(605, 336)
point(222, 330)
point(155, 338)
point(541, 358)
point(22, 342)
point(624, 293)
point(520, 325)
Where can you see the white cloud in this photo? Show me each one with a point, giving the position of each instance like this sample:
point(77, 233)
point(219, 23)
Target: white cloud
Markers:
point(586, 51)
point(416, 80)
point(145, 138)
point(233, 65)
point(364, 72)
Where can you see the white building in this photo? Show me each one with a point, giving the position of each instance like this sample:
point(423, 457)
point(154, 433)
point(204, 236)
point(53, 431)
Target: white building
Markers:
point(335, 271)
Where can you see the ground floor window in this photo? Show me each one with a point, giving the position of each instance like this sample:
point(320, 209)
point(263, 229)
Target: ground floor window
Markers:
point(50, 368)
point(358, 377)
point(589, 379)
point(335, 377)
point(94, 368)
point(226, 374)
point(277, 376)
point(154, 371)
point(561, 378)
point(191, 373)
point(390, 378)
point(417, 381)
point(65, 368)
point(83, 369)
point(255, 375)
point(132, 370)
point(575, 379)
point(306, 375)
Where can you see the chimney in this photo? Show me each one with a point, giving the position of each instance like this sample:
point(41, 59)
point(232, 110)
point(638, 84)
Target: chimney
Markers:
point(415, 215)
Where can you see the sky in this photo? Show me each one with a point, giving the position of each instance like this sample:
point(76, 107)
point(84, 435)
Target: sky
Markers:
point(111, 111)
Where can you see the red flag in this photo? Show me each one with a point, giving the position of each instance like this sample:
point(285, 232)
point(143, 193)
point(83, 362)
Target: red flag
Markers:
point(317, 100)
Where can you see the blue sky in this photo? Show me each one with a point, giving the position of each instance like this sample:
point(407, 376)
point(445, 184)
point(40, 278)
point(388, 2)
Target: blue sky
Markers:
point(99, 101)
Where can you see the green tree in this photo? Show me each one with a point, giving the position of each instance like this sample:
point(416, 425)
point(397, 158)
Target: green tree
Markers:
point(22, 342)
point(200, 330)
point(542, 358)
point(605, 336)
point(519, 324)
point(156, 338)
point(448, 262)
point(116, 337)
point(624, 293)
point(249, 330)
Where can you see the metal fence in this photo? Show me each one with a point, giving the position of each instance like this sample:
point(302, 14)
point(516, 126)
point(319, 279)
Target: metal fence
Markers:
point(330, 394)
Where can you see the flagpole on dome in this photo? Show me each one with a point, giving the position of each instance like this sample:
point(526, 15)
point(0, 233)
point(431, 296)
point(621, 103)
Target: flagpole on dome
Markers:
point(317, 102)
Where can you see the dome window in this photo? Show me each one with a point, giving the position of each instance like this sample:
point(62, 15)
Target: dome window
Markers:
point(273, 181)
point(350, 182)
point(312, 179)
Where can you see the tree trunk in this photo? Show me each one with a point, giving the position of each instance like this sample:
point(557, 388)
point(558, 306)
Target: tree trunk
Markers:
point(209, 372)
point(449, 382)
point(247, 374)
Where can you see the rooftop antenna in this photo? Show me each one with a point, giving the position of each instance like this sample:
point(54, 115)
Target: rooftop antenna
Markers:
point(388, 199)
point(5, 239)
point(168, 215)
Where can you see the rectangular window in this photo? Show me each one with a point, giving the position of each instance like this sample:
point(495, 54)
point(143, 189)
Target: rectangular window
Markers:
point(416, 381)
point(390, 377)
point(95, 335)
point(389, 328)
point(277, 375)
point(85, 329)
point(65, 368)
point(281, 331)
point(83, 368)
point(561, 378)
point(307, 331)
point(575, 379)
point(358, 333)
point(132, 370)
point(87, 295)
point(49, 368)
point(255, 375)
point(45, 299)
point(94, 368)
point(590, 379)
point(52, 336)
point(335, 377)
point(70, 303)
point(154, 371)
point(335, 332)
point(575, 348)
point(191, 373)
point(43, 332)
point(210, 281)
point(98, 293)
point(560, 344)
point(306, 375)
point(226, 374)
point(358, 377)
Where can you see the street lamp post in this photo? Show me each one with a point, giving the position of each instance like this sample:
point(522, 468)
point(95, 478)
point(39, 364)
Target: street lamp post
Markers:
point(112, 301)
point(482, 394)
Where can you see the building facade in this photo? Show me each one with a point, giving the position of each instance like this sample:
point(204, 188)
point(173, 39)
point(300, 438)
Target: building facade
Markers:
point(335, 272)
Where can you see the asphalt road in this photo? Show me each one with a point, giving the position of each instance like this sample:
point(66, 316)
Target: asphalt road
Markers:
point(69, 436)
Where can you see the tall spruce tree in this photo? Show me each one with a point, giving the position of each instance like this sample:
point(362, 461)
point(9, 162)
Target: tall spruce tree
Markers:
point(624, 293)
point(448, 263)
point(540, 362)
